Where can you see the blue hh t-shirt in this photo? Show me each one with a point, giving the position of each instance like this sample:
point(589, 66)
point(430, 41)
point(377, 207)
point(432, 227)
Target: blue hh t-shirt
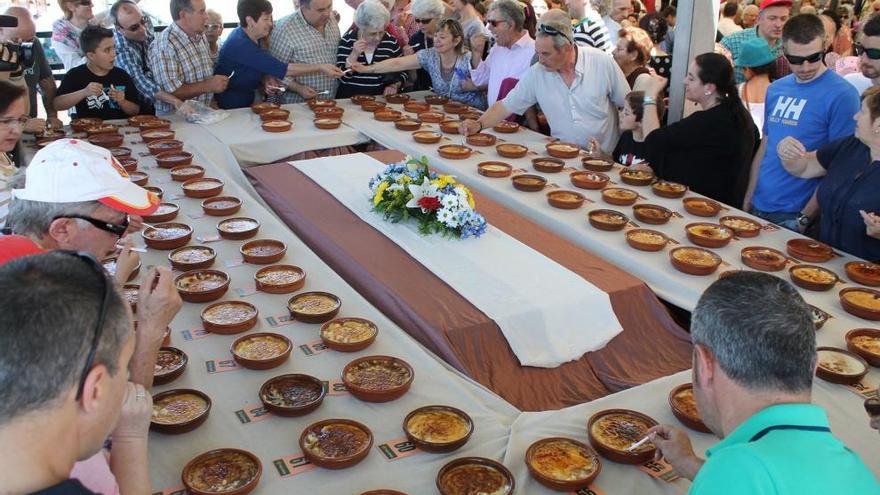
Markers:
point(250, 62)
point(814, 113)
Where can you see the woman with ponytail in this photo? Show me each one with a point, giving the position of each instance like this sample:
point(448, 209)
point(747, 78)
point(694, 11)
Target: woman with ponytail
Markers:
point(711, 150)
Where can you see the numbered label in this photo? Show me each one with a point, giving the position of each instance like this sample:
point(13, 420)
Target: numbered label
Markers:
point(221, 365)
point(194, 334)
point(206, 238)
point(335, 387)
point(279, 320)
point(864, 388)
point(235, 261)
point(590, 490)
point(252, 413)
point(660, 470)
point(292, 465)
point(314, 348)
point(398, 449)
point(245, 291)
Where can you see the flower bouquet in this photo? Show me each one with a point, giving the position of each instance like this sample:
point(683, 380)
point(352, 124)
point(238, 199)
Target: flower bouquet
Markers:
point(439, 204)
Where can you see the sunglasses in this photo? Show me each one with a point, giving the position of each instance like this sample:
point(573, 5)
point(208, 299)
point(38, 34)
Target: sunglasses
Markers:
point(136, 26)
point(117, 229)
point(423, 21)
point(811, 59)
point(494, 22)
point(872, 53)
point(552, 31)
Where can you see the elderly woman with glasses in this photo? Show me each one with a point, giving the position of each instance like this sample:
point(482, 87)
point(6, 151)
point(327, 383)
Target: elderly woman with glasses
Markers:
point(368, 43)
point(632, 53)
point(446, 63)
point(66, 31)
point(213, 32)
point(12, 121)
point(426, 14)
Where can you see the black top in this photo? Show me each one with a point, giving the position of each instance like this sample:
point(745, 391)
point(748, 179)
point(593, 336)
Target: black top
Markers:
point(367, 84)
point(419, 42)
point(37, 72)
point(66, 487)
point(709, 151)
point(102, 106)
point(631, 78)
point(629, 151)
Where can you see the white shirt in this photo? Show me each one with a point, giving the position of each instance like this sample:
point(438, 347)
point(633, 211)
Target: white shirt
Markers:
point(726, 26)
point(860, 82)
point(503, 63)
point(586, 109)
point(613, 28)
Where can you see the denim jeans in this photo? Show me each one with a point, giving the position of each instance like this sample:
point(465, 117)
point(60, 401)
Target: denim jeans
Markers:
point(781, 218)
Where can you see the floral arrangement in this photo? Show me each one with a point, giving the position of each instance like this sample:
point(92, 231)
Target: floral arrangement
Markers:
point(408, 189)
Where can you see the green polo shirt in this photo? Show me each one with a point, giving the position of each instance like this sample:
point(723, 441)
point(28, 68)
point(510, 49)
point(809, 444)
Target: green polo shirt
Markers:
point(784, 461)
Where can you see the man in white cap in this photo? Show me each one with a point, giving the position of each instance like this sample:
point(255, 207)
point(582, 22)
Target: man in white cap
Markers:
point(78, 197)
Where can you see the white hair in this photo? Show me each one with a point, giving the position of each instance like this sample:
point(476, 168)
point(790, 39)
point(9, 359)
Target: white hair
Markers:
point(371, 15)
point(427, 9)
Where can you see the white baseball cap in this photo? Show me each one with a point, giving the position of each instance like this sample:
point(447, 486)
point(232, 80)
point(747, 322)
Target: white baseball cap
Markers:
point(72, 170)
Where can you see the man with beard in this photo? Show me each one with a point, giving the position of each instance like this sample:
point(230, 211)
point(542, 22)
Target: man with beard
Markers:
point(868, 52)
point(754, 356)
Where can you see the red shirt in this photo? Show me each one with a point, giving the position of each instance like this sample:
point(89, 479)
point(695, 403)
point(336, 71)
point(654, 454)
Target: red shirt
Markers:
point(16, 246)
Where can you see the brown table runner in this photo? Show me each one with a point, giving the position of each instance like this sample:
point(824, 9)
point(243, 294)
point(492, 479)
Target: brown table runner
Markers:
point(651, 344)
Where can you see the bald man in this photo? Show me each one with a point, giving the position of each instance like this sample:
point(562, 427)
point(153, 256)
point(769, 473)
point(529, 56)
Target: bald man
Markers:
point(39, 75)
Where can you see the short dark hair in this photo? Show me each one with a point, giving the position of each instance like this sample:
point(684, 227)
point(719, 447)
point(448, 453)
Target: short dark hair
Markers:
point(49, 307)
point(9, 92)
point(760, 331)
point(252, 8)
point(177, 6)
point(668, 11)
point(636, 101)
point(730, 9)
point(872, 27)
point(655, 25)
point(91, 37)
point(803, 29)
point(113, 15)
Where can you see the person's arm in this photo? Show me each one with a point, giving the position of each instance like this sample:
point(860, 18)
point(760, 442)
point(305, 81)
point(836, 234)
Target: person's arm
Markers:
point(129, 459)
point(495, 114)
point(122, 98)
point(674, 445)
point(157, 306)
point(753, 172)
point(47, 91)
point(653, 91)
point(294, 70)
point(397, 64)
point(130, 61)
point(69, 100)
point(167, 72)
point(522, 97)
point(797, 160)
point(872, 229)
point(642, 82)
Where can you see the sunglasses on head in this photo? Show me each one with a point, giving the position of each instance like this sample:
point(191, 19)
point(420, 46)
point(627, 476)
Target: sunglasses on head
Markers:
point(552, 31)
point(423, 21)
point(811, 58)
point(872, 53)
point(117, 229)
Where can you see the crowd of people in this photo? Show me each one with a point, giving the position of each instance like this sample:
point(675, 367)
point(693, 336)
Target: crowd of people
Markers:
point(785, 124)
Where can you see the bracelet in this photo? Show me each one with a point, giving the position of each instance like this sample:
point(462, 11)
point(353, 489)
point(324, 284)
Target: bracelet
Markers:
point(647, 100)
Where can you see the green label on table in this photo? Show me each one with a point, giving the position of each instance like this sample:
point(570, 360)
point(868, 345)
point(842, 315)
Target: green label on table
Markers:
point(335, 387)
point(292, 465)
point(398, 449)
point(279, 320)
point(590, 490)
point(194, 334)
point(252, 414)
point(313, 348)
point(864, 388)
point(221, 365)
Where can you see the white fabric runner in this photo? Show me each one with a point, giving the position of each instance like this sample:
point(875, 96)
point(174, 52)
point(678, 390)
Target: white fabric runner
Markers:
point(548, 314)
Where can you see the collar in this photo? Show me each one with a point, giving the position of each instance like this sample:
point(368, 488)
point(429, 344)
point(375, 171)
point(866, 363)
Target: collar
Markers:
point(524, 41)
point(178, 31)
point(121, 39)
point(780, 414)
point(757, 34)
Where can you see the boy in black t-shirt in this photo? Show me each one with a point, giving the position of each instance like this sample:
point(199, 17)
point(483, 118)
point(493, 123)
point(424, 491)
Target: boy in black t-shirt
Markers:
point(630, 149)
point(97, 88)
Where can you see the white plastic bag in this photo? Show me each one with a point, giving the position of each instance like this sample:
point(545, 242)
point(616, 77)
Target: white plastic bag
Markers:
point(197, 112)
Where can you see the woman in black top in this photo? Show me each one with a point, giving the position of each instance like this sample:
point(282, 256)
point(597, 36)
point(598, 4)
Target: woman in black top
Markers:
point(367, 42)
point(711, 150)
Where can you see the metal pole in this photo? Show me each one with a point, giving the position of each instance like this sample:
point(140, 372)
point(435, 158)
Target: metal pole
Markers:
point(696, 22)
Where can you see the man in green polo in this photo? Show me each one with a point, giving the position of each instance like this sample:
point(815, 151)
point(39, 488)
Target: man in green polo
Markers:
point(754, 358)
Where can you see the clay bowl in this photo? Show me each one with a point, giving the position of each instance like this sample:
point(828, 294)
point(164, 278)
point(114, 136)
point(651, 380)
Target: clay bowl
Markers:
point(640, 456)
point(505, 127)
point(167, 235)
point(325, 123)
point(565, 200)
point(651, 214)
point(136, 120)
point(646, 240)
point(428, 428)
point(292, 394)
point(349, 334)
point(479, 465)
point(494, 169)
point(416, 106)
point(171, 159)
point(182, 426)
point(372, 105)
point(329, 112)
point(198, 286)
point(609, 220)
point(129, 164)
point(813, 277)
point(383, 491)
point(164, 146)
point(864, 303)
point(481, 139)
point(397, 98)
point(708, 234)
point(387, 115)
point(214, 457)
point(340, 462)
point(470, 115)
point(120, 152)
point(324, 309)
point(164, 213)
point(666, 189)
point(101, 129)
point(856, 367)
point(109, 265)
point(741, 226)
point(763, 258)
point(862, 272)
point(277, 126)
point(588, 180)
point(562, 150)
point(80, 125)
point(204, 187)
point(548, 165)
point(450, 126)
point(427, 137)
point(683, 405)
point(454, 151)
point(130, 294)
point(184, 173)
point(398, 368)
point(361, 99)
point(694, 260)
point(280, 279)
point(407, 124)
point(637, 177)
point(170, 364)
point(818, 316)
point(275, 114)
point(139, 178)
point(510, 150)
point(809, 250)
point(869, 350)
point(436, 100)
point(528, 182)
point(238, 228)
point(155, 190)
point(560, 449)
point(619, 196)
point(596, 164)
point(214, 321)
point(154, 124)
point(220, 206)
point(189, 258)
point(432, 117)
point(107, 140)
point(316, 103)
point(261, 107)
point(251, 350)
point(263, 251)
point(455, 107)
point(701, 207)
point(154, 135)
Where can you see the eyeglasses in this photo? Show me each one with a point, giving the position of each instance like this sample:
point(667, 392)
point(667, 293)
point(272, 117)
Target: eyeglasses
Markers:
point(213, 27)
point(494, 22)
point(117, 229)
point(811, 59)
point(102, 314)
point(552, 31)
point(8, 122)
point(423, 21)
point(135, 27)
point(85, 3)
point(872, 53)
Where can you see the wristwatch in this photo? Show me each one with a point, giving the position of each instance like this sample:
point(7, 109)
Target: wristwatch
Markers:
point(803, 220)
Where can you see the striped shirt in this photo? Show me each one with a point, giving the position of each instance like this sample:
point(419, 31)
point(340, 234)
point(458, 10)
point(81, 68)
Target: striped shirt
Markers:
point(132, 57)
point(367, 84)
point(591, 31)
point(176, 59)
point(294, 40)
